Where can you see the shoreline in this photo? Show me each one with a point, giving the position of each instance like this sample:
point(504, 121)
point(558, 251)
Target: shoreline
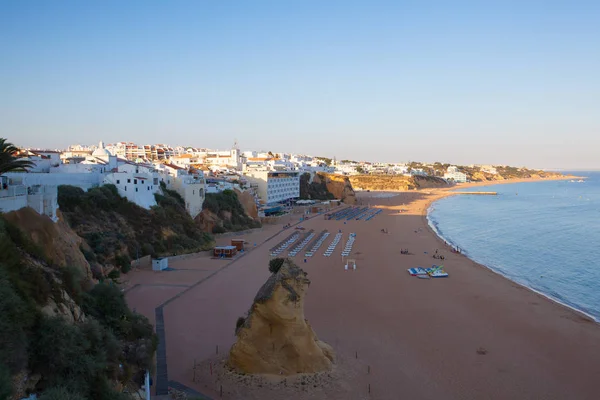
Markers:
point(445, 193)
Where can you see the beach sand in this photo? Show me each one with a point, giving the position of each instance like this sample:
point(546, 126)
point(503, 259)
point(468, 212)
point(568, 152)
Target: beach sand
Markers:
point(474, 335)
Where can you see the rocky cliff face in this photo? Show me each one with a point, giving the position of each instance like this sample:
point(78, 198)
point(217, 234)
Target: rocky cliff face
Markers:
point(338, 185)
point(61, 245)
point(247, 201)
point(396, 182)
point(275, 338)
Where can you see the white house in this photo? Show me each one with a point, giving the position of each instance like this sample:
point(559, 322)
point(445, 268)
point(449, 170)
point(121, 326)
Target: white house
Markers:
point(136, 185)
point(42, 198)
point(191, 187)
point(274, 186)
point(452, 173)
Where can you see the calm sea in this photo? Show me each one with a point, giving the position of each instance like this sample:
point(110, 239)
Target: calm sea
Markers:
point(544, 235)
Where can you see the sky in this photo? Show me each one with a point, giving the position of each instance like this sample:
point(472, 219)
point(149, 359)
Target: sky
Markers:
point(484, 82)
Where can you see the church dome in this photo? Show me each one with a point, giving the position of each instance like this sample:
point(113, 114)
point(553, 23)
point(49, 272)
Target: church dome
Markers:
point(101, 151)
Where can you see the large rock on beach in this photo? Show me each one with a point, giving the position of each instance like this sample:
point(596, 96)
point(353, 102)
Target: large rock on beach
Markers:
point(275, 338)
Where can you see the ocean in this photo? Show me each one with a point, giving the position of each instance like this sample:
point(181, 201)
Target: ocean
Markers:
point(543, 235)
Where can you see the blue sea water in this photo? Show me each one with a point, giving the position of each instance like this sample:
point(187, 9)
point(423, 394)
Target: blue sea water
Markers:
point(544, 235)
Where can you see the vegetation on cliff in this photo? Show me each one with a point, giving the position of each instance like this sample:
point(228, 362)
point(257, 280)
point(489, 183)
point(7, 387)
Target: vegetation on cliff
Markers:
point(62, 334)
point(116, 230)
point(229, 212)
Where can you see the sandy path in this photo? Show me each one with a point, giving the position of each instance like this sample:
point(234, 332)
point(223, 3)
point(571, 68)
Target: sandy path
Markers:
point(419, 337)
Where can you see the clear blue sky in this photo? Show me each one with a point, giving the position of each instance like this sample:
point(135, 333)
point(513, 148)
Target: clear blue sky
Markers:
point(514, 82)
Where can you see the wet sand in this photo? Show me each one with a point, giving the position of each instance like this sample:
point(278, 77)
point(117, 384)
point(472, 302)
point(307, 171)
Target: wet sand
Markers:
point(474, 335)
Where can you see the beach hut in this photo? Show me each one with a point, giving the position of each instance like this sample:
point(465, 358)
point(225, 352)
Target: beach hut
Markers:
point(160, 264)
point(238, 243)
point(225, 251)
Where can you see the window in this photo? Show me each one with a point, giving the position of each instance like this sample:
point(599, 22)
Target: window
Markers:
point(118, 181)
point(193, 192)
point(128, 180)
point(156, 181)
point(148, 187)
point(135, 181)
point(136, 189)
point(125, 188)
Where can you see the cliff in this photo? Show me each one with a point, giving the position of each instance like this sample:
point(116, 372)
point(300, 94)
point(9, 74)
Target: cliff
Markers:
point(275, 337)
point(228, 211)
point(60, 244)
point(327, 187)
point(396, 182)
point(58, 330)
point(115, 231)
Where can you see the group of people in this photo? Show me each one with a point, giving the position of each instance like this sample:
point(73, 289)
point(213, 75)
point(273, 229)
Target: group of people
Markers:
point(404, 251)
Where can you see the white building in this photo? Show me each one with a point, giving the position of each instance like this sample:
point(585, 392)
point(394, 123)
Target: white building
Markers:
point(452, 173)
point(42, 198)
point(136, 182)
point(191, 187)
point(274, 186)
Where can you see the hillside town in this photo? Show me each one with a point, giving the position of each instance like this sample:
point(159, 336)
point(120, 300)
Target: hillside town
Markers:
point(138, 171)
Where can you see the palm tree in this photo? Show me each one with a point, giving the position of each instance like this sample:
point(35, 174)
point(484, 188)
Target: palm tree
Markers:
point(9, 159)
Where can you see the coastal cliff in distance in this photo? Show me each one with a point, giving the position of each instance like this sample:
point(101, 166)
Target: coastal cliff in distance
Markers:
point(275, 338)
point(326, 186)
point(396, 182)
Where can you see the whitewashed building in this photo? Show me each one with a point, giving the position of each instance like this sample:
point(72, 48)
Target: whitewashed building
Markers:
point(452, 173)
point(42, 198)
point(191, 187)
point(136, 182)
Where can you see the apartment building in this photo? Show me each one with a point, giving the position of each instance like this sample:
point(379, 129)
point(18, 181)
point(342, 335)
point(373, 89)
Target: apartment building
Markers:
point(274, 186)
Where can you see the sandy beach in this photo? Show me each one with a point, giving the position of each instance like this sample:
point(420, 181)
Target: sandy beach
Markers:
point(474, 335)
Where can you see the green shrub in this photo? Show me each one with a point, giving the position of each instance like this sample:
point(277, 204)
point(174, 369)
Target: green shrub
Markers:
point(123, 262)
point(218, 229)
point(5, 382)
point(73, 281)
point(275, 264)
point(60, 393)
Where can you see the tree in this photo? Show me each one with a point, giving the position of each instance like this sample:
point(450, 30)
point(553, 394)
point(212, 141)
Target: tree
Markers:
point(9, 159)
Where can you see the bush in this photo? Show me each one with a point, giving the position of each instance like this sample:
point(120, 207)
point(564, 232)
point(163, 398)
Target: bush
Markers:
point(5, 382)
point(72, 278)
point(60, 393)
point(275, 264)
point(123, 262)
point(218, 229)
point(239, 323)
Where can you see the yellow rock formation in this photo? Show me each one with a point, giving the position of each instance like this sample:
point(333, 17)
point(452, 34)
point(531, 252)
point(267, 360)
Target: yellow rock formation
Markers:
point(275, 338)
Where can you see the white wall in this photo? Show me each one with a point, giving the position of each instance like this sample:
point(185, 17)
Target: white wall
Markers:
point(133, 188)
point(82, 180)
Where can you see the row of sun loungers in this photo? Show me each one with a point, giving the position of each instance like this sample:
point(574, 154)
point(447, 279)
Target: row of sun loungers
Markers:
point(373, 215)
point(284, 244)
point(319, 241)
point(336, 214)
point(436, 271)
point(348, 248)
point(334, 242)
point(307, 238)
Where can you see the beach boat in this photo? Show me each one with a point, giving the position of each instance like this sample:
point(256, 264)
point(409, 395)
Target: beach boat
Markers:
point(417, 271)
point(438, 273)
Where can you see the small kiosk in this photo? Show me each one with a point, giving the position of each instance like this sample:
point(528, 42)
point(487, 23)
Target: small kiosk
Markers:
point(238, 243)
point(224, 251)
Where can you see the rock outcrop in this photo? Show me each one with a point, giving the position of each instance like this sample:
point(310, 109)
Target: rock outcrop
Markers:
point(338, 185)
point(396, 182)
point(61, 245)
point(275, 338)
point(247, 201)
